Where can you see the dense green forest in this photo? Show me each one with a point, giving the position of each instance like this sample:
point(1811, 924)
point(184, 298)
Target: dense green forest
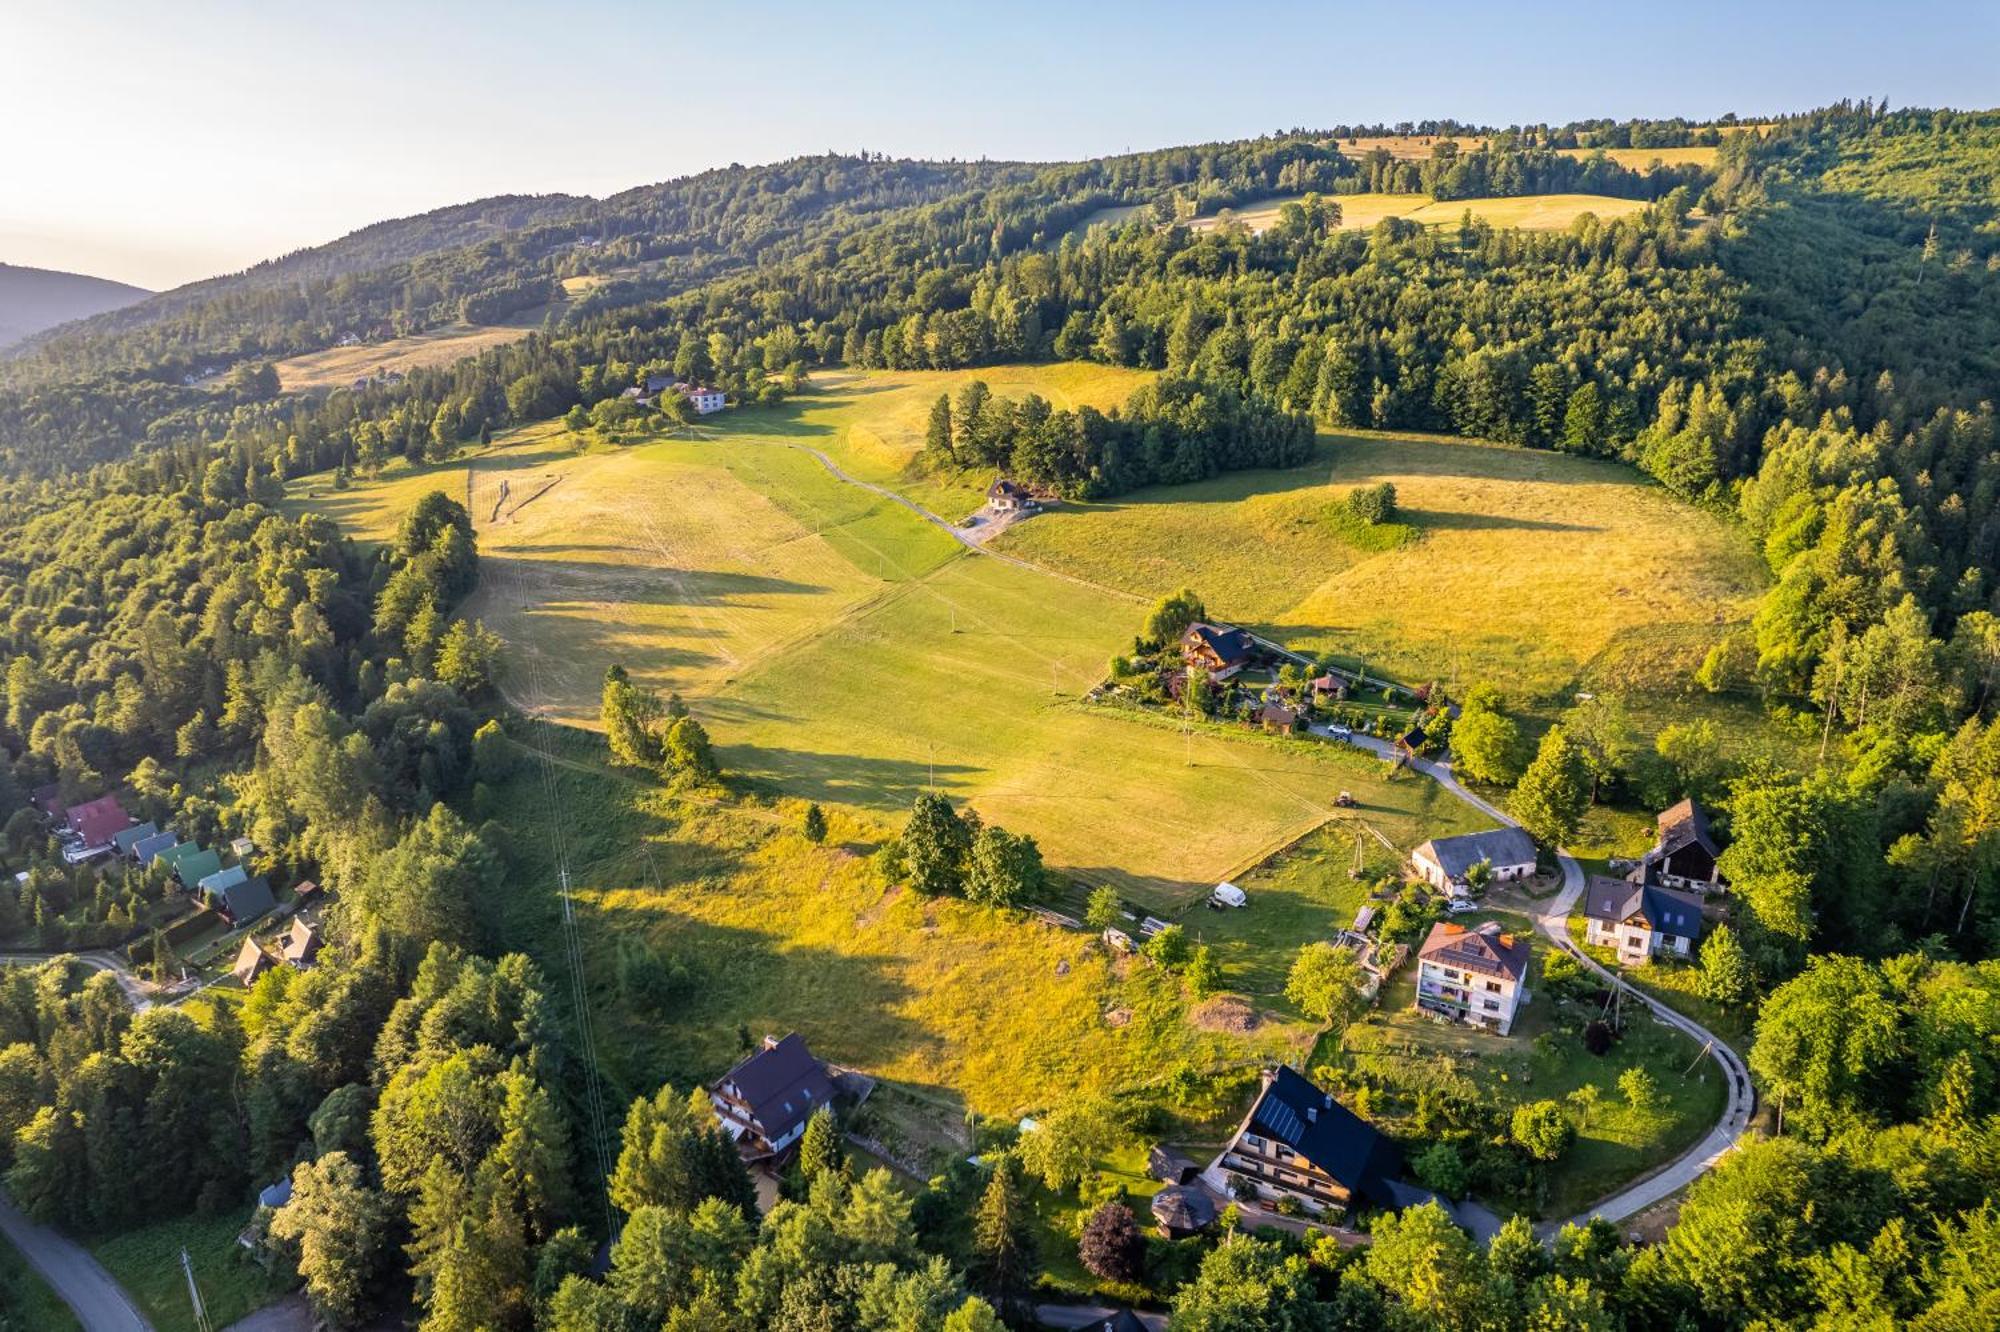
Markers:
point(1804, 337)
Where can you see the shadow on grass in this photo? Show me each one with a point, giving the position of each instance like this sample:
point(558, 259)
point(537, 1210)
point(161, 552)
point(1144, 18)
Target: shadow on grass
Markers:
point(850, 779)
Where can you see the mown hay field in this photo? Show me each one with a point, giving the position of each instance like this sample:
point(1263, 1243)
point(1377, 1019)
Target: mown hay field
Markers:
point(1532, 569)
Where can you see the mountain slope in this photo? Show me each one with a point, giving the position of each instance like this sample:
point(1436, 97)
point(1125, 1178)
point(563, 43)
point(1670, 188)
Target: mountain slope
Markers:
point(32, 299)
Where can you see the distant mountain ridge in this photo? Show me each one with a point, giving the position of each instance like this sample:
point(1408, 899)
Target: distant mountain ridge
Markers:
point(33, 299)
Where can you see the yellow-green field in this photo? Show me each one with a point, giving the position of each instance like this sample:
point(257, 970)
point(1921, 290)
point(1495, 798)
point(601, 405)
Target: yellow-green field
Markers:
point(843, 649)
point(1531, 212)
point(1418, 148)
point(337, 367)
point(1532, 568)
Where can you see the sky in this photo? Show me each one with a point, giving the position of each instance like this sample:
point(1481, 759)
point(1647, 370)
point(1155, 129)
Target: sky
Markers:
point(156, 143)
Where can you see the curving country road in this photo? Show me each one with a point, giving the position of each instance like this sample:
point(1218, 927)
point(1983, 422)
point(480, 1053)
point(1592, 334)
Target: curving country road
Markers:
point(99, 1302)
point(1553, 923)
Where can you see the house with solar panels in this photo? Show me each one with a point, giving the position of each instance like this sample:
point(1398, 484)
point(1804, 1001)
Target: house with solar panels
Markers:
point(1298, 1142)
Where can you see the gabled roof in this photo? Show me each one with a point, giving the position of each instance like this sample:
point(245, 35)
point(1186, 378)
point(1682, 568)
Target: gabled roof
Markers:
point(1664, 909)
point(1276, 714)
point(301, 942)
point(97, 821)
point(196, 864)
point(1684, 825)
point(783, 1084)
point(1005, 489)
point(147, 849)
point(251, 962)
point(1500, 846)
point(1229, 645)
point(1489, 950)
point(244, 901)
point(127, 838)
point(222, 880)
point(1326, 1133)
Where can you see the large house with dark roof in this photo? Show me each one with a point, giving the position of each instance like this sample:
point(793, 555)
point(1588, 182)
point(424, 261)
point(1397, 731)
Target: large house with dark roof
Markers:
point(1219, 651)
point(1686, 853)
point(1476, 976)
point(1299, 1142)
point(1444, 862)
point(1640, 920)
point(764, 1102)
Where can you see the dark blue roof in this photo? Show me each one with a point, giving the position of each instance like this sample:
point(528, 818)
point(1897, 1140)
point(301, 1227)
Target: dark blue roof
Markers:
point(1328, 1134)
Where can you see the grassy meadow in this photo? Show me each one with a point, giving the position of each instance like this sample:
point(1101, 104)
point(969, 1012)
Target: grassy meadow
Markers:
point(955, 1006)
point(147, 1262)
point(1532, 212)
point(1536, 570)
point(337, 367)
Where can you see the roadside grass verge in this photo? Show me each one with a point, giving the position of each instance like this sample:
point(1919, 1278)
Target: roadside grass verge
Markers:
point(147, 1262)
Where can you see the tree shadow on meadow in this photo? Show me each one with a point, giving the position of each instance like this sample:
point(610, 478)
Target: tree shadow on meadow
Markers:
point(863, 781)
point(683, 1029)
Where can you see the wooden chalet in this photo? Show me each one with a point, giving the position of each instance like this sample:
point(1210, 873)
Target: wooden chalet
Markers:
point(1219, 651)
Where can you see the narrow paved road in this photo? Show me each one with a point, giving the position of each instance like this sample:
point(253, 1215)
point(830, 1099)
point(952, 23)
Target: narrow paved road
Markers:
point(101, 1304)
point(1553, 922)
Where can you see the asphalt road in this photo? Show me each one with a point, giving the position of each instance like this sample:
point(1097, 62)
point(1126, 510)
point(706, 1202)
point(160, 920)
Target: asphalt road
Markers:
point(97, 960)
point(100, 1303)
point(1553, 923)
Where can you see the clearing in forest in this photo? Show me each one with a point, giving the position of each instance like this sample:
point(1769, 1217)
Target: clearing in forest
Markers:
point(1530, 212)
point(338, 367)
point(1533, 569)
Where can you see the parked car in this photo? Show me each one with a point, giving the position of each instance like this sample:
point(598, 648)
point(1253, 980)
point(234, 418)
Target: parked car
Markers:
point(1458, 906)
point(1339, 732)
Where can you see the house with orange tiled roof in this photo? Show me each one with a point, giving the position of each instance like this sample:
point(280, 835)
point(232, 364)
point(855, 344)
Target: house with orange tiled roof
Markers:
point(1477, 975)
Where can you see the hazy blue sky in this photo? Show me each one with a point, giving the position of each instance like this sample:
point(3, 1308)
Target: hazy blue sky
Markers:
point(157, 142)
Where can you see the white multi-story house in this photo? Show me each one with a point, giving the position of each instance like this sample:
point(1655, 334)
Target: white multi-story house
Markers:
point(1640, 920)
point(1476, 975)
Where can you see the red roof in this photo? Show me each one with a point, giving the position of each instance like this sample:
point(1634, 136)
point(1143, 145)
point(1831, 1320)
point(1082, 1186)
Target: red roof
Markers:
point(99, 820)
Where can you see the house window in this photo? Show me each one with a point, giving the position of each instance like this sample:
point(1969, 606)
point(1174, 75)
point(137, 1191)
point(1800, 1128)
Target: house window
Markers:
point(1493, 987)
point(1492, 1005)
point(1635, 941)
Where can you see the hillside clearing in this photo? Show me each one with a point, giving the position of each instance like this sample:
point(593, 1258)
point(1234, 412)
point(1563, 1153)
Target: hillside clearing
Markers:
point(338, 367)
point(1531, 567)
point(1530, 212)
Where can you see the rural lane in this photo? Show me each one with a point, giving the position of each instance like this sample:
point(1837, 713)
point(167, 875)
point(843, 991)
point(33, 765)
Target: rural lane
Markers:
point(1553, 922)
point(99, 1302)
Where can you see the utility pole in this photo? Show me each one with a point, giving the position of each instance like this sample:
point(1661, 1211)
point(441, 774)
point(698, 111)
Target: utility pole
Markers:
point(194, 1293)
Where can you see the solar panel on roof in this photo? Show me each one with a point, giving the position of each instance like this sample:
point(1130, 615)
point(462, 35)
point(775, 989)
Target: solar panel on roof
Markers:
point(1282, 1121)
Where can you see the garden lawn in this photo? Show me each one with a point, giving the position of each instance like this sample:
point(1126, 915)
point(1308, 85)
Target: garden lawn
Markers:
point(147, 1262)
point(1675, 984)
point(1543, 1058)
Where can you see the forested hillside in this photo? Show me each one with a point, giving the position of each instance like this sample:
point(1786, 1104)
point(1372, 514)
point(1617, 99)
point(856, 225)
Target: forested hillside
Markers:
point(1802, 338)
point(32, 299)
